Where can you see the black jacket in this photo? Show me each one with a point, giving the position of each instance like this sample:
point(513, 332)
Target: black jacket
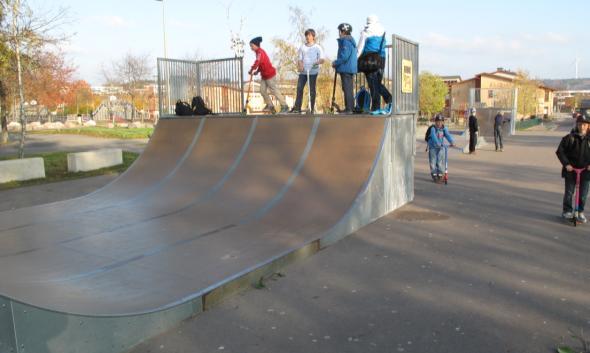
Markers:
point(574, 149)
point(473, 127)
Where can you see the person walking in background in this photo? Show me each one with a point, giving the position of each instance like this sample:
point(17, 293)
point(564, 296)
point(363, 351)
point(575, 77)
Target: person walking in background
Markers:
point(473, 130)
point(267, 72)
point(309, 58)
point(372, 40)
point(346, 64)
point(498, 121)
point(574, 152)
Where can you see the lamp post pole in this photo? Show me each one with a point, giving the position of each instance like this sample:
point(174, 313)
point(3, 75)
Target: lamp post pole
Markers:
point(164, 27)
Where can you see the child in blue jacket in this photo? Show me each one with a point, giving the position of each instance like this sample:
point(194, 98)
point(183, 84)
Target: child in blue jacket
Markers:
point(436, 135)
point(345, 64)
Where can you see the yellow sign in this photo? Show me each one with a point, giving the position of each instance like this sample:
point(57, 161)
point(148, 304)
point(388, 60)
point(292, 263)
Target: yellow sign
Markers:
point(407, 77)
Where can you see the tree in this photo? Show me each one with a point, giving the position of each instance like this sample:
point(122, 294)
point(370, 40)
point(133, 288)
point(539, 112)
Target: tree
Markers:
point(48, 79)
point(27, 34)
point(432, 93)
point(131, 72)
point(527, 93)
point(4, 91)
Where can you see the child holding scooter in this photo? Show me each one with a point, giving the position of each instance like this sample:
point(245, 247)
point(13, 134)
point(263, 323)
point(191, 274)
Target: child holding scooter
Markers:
point(436, 135)
point(268, 80)
point(574, 154)
point(309, 58)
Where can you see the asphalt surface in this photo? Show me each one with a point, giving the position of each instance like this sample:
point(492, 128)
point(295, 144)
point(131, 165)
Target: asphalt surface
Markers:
point(68, 143)
point(484, 264)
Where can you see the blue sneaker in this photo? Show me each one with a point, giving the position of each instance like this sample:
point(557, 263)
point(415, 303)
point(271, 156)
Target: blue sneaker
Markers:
point(387, 109)
point(377, 112)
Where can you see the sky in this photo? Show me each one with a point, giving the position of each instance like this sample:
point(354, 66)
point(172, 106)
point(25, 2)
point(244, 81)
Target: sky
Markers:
point(457, 37)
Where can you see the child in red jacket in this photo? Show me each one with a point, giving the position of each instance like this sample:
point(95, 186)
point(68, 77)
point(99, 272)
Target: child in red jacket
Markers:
point(268, 73)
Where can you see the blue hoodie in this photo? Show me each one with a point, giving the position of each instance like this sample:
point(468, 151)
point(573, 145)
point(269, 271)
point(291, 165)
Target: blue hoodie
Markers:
point(437, 137)
point(346, 61)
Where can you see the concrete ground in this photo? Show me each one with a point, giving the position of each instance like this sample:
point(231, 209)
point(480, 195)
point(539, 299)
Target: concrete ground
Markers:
point(484, 264)
point(68, 143)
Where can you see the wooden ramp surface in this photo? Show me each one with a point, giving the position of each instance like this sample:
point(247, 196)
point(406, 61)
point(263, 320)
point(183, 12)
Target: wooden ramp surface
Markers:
point(208, 199)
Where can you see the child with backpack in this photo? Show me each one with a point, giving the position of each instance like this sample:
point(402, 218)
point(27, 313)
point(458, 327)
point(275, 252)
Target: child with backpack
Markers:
point(435, 136)
point(267, 72)
point(309, 58)
point(574, 153)
point(346, 64)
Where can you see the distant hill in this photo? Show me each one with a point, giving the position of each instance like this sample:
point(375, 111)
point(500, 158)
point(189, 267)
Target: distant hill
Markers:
point(568, 84)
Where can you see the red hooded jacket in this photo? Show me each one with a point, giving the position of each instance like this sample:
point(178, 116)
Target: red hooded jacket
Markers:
point(263, 65)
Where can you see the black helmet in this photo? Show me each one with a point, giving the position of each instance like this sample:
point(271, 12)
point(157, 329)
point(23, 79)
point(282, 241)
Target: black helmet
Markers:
point(583, 118)
point(345, 27)
point(439, 117)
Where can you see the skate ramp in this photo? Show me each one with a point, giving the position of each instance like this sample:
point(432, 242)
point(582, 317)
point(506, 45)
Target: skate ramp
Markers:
point(209, 201)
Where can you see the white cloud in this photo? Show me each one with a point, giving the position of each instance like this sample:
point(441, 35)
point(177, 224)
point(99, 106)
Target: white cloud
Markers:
point(113, 21)
point(184, 25)
point(72, 48)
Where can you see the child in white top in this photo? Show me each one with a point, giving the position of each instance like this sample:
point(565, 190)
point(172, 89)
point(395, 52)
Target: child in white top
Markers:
point(309, 58)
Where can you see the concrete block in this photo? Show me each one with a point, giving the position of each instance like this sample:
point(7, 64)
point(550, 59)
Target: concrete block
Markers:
point(72, 125)
point(92, 160)
point(14, 126)
point(21, 169)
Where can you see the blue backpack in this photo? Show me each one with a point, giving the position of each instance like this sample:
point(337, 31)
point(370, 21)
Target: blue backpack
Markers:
point(362, 101)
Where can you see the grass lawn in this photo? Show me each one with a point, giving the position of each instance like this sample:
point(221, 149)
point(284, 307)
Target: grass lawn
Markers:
point(56, 169)
point(98, 131)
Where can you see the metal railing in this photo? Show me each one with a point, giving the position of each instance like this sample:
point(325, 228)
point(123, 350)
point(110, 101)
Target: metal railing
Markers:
point(219, 82)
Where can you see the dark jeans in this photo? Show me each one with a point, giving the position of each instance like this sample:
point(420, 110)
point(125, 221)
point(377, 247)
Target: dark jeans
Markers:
point(377, 89)
point(472, 141)
point(347, 88)
point(300, 86)
point(498, 137)
point(570, 189)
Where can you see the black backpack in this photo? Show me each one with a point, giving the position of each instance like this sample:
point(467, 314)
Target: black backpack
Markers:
point(183, 109)
point(198, 106)
point(428, 132)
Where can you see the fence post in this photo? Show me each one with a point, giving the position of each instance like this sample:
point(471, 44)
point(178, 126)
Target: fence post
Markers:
point(242, 102)
point(514, 112)
point(160, 95)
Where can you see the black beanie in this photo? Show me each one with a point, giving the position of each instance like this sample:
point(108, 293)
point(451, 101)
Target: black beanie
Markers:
point(256, 41)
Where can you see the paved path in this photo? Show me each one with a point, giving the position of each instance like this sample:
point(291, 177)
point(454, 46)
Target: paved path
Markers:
point(481, 265)
point(69, 143)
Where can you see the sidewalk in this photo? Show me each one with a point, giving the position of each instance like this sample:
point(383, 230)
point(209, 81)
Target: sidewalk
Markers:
point(481, 265)
point(484, 265)
point(69, 143)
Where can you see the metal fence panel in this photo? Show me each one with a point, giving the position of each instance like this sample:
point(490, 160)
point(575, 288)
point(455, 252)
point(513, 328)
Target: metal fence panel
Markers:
point(405, 70)
point(219, 82)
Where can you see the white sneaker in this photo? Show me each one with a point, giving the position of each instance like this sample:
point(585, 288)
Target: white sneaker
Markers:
point(567, 215)
point(581, 218)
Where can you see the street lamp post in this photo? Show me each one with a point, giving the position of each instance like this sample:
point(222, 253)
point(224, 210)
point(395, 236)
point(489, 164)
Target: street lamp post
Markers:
point(164, 27)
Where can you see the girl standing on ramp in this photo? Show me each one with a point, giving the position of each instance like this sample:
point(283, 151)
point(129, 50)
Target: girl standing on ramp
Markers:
point(309, 59)
point(346, 64)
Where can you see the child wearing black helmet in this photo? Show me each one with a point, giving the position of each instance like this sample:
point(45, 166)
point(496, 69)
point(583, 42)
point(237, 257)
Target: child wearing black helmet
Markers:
point(435, 136)
point(345, 64)
point(574, 153)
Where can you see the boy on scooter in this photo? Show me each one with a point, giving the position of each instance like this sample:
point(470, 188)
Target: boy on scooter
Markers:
point(574, 153)
point(436, 134)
